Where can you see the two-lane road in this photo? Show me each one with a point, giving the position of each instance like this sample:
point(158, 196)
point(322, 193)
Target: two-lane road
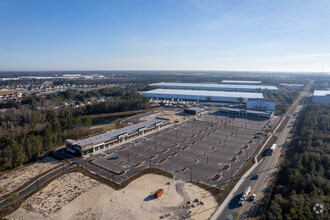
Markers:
point(36, 184)
point(266, 169)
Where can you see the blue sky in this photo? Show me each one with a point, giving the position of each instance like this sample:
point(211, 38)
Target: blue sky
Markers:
point(261, 35)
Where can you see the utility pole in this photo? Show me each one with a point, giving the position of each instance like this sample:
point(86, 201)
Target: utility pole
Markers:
point(190, 173)
point(207, 158)
point(198, 138)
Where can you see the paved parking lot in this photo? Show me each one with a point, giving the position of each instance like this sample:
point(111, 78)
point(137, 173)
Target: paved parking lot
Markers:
point(209, 148)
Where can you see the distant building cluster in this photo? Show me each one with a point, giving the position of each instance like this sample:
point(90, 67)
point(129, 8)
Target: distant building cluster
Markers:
point(65, 76)
point(248, 92)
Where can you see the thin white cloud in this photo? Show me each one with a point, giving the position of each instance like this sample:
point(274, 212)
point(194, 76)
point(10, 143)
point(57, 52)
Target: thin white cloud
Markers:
point(321, 55)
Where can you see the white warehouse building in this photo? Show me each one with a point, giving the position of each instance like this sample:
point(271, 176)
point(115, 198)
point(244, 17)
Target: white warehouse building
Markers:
point(216, 87)
point(261, 104)
point(321, 97)
point(202, 95)
point(240, 82)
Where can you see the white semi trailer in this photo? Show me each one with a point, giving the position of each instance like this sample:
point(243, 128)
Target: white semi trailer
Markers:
point(245, 195)
point(272, 149)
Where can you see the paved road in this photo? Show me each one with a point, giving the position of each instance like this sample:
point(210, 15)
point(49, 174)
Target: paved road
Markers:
point(265, 169)
point(38, 183)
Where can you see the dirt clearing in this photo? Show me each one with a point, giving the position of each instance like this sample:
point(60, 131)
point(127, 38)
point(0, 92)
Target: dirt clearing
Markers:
point(75, 196)
point(12, 180)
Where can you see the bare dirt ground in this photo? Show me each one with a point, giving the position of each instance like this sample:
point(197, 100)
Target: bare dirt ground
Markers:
point(12, 180)
point(75, 196)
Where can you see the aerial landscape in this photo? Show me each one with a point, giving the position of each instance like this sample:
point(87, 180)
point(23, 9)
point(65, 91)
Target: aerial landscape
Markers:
point(192, 109)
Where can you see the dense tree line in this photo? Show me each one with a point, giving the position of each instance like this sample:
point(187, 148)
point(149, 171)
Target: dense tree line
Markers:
point(304, 180)
point(30, 127)
point(283, 99)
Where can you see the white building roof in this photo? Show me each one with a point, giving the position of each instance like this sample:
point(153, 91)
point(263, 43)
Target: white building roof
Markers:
point(110, 135)
point(213, 86)
point(241, 82)
point(264, 100)
point(204, 93)
point(321, 92)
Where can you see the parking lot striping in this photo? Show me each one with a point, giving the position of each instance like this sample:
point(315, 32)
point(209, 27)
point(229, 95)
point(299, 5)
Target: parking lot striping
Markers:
point(191, 150)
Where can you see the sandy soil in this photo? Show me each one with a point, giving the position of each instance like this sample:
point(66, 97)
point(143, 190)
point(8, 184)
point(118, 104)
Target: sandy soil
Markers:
point(17, 177)
point(74, 196)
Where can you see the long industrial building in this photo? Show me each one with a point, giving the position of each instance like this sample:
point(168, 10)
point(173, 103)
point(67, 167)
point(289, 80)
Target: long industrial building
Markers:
point(216, 87)
point(321, 97)
point(103, 141)
point(202, 95)
point(261, 104)
point(240, 82)
point(245, 113)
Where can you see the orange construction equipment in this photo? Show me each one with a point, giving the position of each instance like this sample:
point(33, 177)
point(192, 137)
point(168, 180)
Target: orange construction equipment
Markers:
point(159, 193)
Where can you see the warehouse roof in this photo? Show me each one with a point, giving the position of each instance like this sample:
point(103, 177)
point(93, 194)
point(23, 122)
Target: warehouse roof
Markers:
point(213, 86)
point(264, 100)
point(241, 81)
point(205, 93)
point(115, 133)
point(321, 92)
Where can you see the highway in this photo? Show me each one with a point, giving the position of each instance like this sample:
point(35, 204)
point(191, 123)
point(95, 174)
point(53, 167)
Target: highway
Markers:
point(267, 170)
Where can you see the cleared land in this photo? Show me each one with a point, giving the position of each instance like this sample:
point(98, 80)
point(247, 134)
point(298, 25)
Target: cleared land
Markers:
point(75, 196)
point(12, 180)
